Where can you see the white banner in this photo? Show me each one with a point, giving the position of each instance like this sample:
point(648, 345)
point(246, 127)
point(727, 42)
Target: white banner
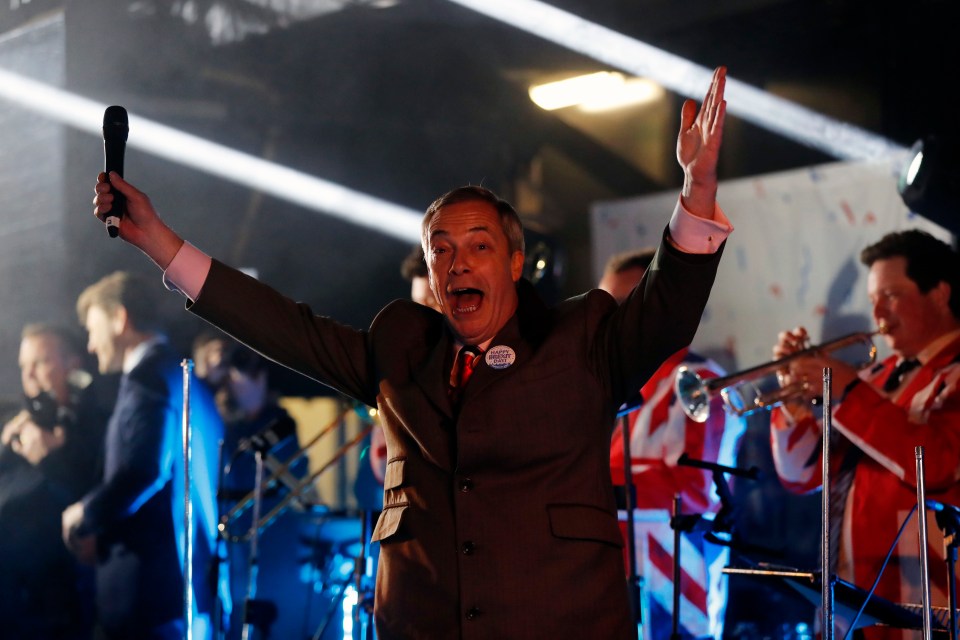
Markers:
point(792, 260)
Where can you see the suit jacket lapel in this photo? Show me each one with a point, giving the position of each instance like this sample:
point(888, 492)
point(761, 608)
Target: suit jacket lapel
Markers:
point(433, 375)
point(522, 333)
point(926, 373)
point(484, 375)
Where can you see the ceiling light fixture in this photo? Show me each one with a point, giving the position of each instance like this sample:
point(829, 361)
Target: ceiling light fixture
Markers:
point(598, 91)
point(838, 139)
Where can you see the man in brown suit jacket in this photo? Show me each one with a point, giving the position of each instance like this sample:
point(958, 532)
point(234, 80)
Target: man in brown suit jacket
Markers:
point(498, 519)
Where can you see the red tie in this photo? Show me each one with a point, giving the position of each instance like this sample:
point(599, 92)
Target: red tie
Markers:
point(463, 368)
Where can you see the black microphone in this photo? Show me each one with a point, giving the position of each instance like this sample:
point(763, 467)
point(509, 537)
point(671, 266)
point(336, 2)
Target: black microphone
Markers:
point(268, 437)
point(115, 130)
point(948, 516)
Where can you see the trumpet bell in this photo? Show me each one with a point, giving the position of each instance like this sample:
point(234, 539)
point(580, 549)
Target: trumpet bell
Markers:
point(695, 395)
point(692, 394)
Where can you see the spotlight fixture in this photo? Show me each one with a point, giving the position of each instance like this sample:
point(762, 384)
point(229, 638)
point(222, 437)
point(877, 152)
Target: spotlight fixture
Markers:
point(928, 182)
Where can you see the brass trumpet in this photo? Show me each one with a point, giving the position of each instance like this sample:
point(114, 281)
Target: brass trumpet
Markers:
point(741, 392)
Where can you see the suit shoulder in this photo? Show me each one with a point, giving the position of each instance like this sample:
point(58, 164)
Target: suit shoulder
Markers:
point(595, 302)
point(403, 311)
point(405, 319)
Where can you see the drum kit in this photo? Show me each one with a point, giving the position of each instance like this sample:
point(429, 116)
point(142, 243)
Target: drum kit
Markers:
point(298, 568)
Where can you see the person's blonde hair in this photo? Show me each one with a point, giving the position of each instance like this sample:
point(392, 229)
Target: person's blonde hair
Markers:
point(123, 289)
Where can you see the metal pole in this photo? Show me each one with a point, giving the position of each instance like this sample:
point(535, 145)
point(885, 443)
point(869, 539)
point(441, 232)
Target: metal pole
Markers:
point(677, 540)
point(952, 576)
point(254, 566)
point(187, 366)
point(827, 577)
point(924, 561)
point(630, 503)
point(359, 572)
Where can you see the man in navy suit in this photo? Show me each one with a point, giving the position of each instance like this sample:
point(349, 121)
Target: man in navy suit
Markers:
point(128, 526)
point(50, 455)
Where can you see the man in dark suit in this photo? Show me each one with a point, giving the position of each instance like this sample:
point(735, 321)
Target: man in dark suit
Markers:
point(50, 455)
point(499, 519)
point(128, 526)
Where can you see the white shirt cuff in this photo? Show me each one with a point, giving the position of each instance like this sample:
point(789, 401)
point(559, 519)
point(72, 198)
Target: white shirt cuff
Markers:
point(692, 234)
point(187, 272)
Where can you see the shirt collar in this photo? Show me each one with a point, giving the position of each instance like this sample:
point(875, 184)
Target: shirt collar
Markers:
point(457, 345)
point(928, 352)
point(133, 357)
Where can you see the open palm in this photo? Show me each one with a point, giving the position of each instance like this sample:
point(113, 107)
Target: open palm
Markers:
point(698, 144)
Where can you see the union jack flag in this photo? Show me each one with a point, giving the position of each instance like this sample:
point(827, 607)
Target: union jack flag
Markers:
point(660, 433)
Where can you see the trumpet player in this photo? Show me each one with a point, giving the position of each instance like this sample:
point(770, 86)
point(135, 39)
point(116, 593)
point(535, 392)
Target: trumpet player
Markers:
point(881, 414)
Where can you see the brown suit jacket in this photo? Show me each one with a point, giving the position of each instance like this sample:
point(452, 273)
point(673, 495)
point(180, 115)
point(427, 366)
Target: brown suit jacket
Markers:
point(498, 519)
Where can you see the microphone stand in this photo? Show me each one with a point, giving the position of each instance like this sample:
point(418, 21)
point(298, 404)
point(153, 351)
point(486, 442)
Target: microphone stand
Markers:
point(829, 578)
point(678, 528)
point(924, 560)
point(187, 434)
point(753, 473)
point(950, 543)
point(254, 558)
point(948, 519)
point(219, 551)
point(692, 522)
point(630, 503)
point(362, 623)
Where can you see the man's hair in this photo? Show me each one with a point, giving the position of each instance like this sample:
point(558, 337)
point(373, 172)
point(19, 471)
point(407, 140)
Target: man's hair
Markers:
point(235, 355)
point(68, 341)
point(203, 338)
point(509, 220)
point(929, 260)
point(414, 265)
point(123, 289)
point(635, 259)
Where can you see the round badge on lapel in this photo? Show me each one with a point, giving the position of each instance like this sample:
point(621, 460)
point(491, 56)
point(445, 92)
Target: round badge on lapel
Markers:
point(500, 357)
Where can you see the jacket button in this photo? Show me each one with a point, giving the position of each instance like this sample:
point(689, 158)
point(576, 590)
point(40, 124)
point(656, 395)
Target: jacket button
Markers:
point(468, 548)
point(473, 613)
point(466, 485)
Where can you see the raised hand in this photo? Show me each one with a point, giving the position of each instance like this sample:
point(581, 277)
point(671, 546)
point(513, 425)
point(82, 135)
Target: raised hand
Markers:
point(698, 147)
point(140, 226)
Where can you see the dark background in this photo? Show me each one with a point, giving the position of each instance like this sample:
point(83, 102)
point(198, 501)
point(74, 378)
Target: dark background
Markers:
point(405, 102)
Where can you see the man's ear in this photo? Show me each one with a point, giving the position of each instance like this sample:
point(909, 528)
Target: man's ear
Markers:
point(942, 292)
point(119, 321)
point(516, 265)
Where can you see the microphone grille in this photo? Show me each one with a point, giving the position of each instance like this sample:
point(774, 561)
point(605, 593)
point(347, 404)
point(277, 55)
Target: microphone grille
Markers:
point(115, 123)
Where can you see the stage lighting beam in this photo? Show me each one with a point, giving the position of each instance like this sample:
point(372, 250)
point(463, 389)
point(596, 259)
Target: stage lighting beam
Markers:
point(189, 150)
point(800, 124)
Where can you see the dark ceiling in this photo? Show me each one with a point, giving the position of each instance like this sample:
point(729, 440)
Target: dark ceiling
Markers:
point(409, 100)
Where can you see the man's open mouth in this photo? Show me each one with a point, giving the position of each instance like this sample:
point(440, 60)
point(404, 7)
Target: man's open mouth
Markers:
point(467, 300)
